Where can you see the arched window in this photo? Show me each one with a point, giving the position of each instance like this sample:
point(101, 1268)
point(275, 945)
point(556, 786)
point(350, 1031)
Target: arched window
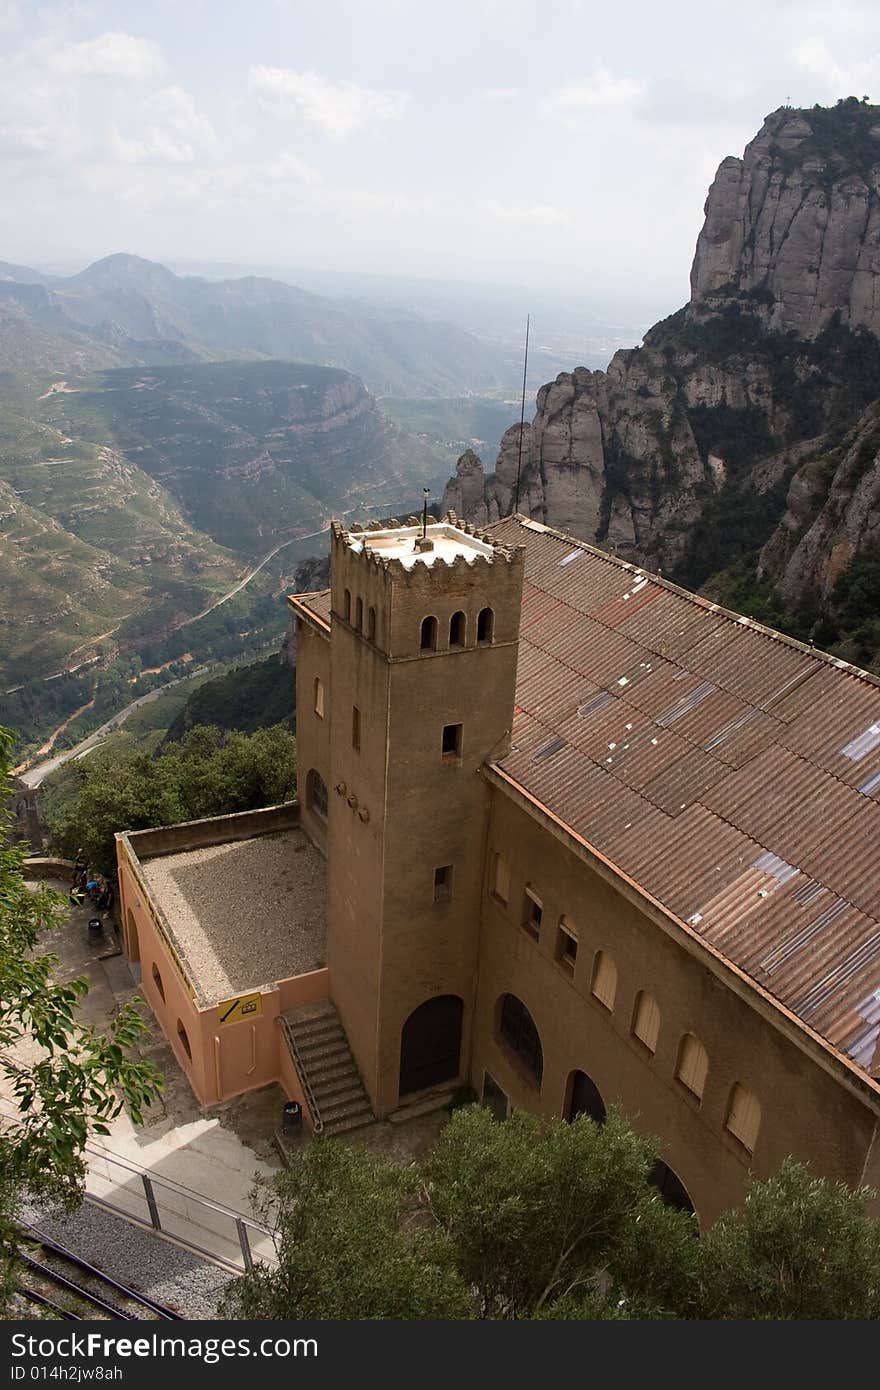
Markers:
point(184, 1040)
point(518, 1030)
point(604, 983)
point(646, 1020)
point(583, 1098)
point(316, 794)
point(457, 629)
point(359, 612)
point(157, 981)
point(673, 1192)
point(485, 625)
point(371, 624)
point(428, 642)
point(744, 1116)
point(693, 1065)
point(346, 605)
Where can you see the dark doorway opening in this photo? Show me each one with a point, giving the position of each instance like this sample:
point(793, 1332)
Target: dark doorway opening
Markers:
point(430, 1044)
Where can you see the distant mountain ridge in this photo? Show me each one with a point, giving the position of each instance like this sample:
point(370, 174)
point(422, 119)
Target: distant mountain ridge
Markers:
point(127, 311)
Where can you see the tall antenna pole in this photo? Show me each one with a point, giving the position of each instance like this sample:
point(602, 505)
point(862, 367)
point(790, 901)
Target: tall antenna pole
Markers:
point(522, 416)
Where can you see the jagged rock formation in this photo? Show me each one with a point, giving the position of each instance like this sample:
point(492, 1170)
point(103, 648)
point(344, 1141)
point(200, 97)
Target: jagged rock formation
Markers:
point(796, 222)
point(741, 438)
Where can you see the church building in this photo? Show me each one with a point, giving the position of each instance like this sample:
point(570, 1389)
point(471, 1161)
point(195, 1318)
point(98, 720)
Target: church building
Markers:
point(567, 835)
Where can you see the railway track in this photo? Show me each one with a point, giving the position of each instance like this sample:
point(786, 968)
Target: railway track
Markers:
point(68, 1287)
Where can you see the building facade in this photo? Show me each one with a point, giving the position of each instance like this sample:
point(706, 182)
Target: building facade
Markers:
point(528, 763)
point(588, 840)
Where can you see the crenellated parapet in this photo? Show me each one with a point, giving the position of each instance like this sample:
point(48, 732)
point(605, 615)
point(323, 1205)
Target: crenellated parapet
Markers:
point(388, 578)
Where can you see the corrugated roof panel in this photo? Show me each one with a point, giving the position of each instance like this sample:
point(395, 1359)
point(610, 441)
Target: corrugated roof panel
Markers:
point(615, 611)
point(671, 625)
point(683, 782)
point(739, 782)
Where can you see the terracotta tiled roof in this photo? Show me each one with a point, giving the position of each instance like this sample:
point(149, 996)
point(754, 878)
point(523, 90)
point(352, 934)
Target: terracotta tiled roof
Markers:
point(731, 772)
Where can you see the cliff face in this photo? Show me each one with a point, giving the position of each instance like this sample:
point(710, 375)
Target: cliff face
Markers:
point(796, 222)
point(738, 437)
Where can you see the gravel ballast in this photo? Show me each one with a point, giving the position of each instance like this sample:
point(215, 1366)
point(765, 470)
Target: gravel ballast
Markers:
point(246, 913)
point(163, 1271)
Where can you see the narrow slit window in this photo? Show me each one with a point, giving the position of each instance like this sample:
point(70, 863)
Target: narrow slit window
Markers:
point(355, 728)
point(319, 697)
point(359, 614)
point(744, 1116)
point(443, 883)
point(371, 624)
point(501, 878)
point(157, 981)
point(184, 1039)
point(604, 985)
point(646, 1020)
point(566, 944)
point(693, 1065)
point(346, 605)
point(451, 743)
point(533, 913)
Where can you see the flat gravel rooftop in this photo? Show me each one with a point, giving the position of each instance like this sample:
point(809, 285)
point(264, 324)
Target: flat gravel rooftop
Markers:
point(247, 913)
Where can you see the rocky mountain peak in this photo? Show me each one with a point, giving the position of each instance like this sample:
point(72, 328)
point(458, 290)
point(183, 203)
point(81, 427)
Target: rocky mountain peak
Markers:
point(737, 448)
point(794, 226)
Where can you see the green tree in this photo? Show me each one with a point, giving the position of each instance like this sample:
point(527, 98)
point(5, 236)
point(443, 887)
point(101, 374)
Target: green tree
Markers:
point(65, 1080)
point(799, 1247)
point(576, 1197)
point(523, 1219)
point(206, 774)
point(351, 1243)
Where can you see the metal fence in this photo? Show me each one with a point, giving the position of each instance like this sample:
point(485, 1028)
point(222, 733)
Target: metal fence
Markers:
point(167, 1206)
point(140, 1194)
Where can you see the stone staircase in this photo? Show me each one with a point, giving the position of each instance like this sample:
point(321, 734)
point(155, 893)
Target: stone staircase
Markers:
point(330, 1079)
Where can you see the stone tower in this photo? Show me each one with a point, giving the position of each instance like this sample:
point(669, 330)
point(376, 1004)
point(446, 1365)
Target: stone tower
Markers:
point(422, 674)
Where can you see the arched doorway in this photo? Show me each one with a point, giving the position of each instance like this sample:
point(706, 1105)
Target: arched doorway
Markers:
point(584, 1098)
point(671, 1188)
point(430, 1044)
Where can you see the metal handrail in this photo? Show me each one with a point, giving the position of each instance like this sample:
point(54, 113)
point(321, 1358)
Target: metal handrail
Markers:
point(317, 1122)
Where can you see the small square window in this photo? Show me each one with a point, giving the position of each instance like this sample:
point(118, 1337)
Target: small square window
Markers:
point(566, 945)
point(355, 728)
point(533, 913)
point(443, 883)
point(451, 745)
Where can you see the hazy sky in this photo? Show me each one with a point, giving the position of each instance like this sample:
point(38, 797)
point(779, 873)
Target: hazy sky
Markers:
point(560, 140)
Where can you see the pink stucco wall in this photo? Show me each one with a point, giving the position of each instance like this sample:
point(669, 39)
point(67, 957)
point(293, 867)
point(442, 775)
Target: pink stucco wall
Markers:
point(226, 1059)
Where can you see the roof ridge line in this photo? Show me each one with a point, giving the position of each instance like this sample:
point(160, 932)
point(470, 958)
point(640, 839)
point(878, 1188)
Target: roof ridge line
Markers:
point(711, 607)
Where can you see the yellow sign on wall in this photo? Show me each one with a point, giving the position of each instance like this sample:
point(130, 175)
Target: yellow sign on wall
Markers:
point(245, 1006)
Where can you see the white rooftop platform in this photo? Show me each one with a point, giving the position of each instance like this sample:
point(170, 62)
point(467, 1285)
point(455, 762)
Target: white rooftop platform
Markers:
point(405, 543)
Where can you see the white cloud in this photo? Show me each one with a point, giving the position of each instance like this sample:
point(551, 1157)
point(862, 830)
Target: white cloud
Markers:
point(170, 131)
point(103, 100)
point(856, 78)
point(337, 108)
point(114, 55)
point(576, 104)
point(536, 214)
point(498, 94)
